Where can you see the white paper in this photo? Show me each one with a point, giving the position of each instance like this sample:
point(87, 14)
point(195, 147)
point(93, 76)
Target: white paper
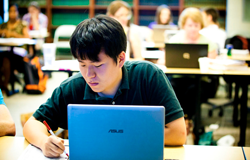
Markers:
point(32, 152)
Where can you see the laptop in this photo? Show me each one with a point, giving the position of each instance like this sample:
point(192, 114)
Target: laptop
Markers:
point(184, 55)
point(158, 32)
point(116, 132)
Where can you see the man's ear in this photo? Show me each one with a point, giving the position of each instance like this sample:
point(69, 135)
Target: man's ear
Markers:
point(121, 59)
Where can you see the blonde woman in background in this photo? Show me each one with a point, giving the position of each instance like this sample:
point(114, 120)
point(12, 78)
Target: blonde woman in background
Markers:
point(121, 11)
point(191, 22)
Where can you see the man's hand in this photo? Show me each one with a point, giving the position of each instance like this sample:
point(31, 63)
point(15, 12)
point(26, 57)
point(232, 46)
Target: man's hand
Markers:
point(53, 146)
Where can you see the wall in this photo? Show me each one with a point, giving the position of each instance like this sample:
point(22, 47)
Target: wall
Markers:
point(234, 21)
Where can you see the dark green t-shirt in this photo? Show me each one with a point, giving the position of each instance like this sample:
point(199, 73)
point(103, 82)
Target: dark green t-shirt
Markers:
point(143, 83)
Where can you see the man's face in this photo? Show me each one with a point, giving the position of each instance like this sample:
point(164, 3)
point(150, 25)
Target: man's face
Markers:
point(104, 75)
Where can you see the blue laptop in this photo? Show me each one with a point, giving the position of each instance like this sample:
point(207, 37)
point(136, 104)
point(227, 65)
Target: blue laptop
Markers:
point(116, 132)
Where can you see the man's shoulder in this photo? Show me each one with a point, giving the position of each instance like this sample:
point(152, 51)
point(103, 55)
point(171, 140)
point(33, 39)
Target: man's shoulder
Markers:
point(134, 67)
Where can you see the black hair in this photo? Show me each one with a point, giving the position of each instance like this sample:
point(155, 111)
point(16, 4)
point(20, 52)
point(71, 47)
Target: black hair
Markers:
point(214, 13)
point(13, 4)
point(96, 34)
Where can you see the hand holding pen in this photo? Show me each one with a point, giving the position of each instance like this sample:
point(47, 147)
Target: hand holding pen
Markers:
point(52, 133)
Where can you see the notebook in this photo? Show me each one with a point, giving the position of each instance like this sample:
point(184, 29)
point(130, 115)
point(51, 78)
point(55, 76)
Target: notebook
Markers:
point(184, 55)
point(158, 32)
point(116, 132)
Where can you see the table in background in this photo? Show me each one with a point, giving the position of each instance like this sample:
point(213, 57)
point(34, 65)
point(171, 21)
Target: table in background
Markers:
point(247, 152)
point(16, 42)
point(71, 66)
point(12, 147)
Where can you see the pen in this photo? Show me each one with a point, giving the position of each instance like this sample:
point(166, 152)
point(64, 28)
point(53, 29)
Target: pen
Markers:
point(52, 133)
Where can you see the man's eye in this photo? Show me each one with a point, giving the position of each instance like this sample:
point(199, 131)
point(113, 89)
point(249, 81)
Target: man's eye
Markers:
point(98, 66)
point(83, 65)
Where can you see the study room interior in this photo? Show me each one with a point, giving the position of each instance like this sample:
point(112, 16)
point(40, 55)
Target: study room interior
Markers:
point(201, 46)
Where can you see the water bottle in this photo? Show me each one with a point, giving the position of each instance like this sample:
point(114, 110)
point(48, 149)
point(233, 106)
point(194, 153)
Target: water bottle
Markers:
point(229, 49)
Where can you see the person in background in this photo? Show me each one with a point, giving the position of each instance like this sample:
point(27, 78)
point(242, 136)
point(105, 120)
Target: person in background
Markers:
point(7, 125)
point(35, 19)
point(191, 22)
point(163, 16)
point(121, 11)
point(211, 29)
point(14, 28)
point(105, 77)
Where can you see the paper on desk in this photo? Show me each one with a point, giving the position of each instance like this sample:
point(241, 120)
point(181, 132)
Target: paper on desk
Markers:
point(236, 51)
point(32, 152)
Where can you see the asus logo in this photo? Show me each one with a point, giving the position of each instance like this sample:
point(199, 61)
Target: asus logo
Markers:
point(115, 131)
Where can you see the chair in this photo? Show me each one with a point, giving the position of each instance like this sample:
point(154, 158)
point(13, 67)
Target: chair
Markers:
point(63, 32)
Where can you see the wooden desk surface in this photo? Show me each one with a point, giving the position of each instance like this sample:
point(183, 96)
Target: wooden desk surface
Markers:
point(12, 147)
point(16, 41)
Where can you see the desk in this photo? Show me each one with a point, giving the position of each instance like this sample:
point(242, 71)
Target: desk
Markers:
point(16, 42)
point(247, 152)
point(71, 66)
point(12, 147)
point(243, 102)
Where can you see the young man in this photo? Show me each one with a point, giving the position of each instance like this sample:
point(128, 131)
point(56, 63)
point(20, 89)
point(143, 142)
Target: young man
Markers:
point(99, 44)
point(211, 29)
point(7, 125)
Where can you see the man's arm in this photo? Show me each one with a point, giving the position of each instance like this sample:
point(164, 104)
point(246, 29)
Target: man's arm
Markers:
point(36, 133)
point(7, 125)
point(175, 133)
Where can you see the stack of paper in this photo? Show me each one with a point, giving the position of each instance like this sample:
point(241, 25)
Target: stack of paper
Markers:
point(228, 64)
point(235, 51)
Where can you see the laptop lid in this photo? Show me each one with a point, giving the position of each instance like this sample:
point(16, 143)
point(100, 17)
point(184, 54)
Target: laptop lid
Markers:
point(116, 132)
point(158, 32)
point(184, 55)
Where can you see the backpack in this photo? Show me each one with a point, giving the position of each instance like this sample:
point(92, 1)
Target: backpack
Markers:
point(35, 79)
point(239, 42)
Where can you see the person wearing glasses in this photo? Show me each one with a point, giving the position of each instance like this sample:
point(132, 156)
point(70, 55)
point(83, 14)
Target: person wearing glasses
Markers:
point(121, 11)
